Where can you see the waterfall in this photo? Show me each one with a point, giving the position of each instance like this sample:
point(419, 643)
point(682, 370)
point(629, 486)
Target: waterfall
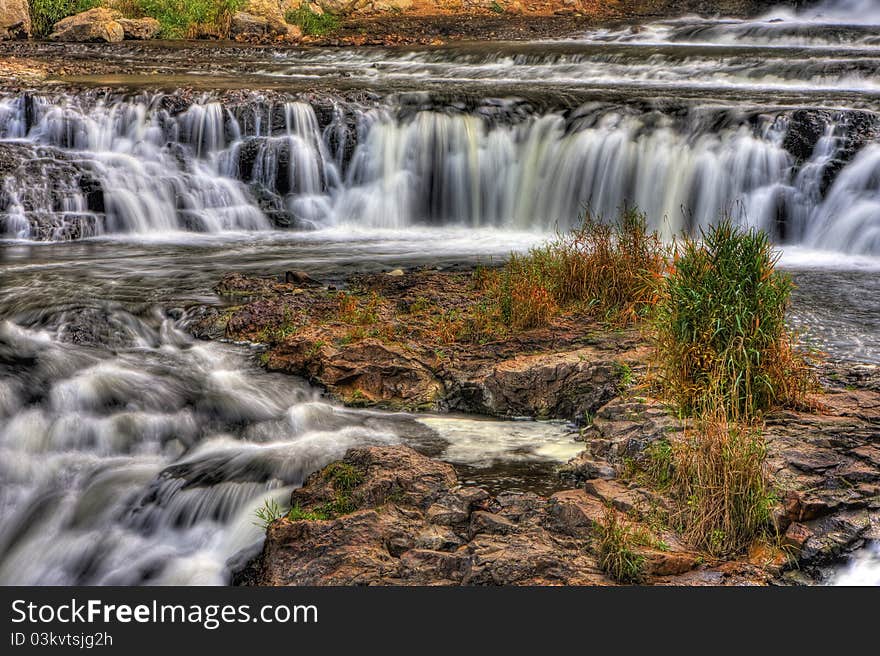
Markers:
point(129, 165)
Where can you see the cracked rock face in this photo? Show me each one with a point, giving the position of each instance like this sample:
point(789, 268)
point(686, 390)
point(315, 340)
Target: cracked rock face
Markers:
point(412, 523)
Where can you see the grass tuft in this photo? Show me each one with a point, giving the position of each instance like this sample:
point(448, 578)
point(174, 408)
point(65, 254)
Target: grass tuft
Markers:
point(45, 13)
point(718, 479)
point(310, 23)
point(183, 18)
point(617, 556)
point(721, 338)
point(611, 269)
point(268, 513)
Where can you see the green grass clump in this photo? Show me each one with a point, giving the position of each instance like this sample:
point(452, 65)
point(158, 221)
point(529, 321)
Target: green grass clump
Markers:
point(297, 514)
point(343, 476)
point(721, 337)
point(45, 13)
point(310, 23)
point(617, 556)
point(181, 18)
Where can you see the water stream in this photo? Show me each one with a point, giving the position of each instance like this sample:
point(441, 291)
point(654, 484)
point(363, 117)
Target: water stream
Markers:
point(133, 454)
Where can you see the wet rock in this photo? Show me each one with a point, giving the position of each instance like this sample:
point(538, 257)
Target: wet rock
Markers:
point(571, 384)
point(409, 522)
point(584, 467)
point(15, 19)
point(140, 29)
point(95, 25)
point(244, 25)
point(833, 536)
point(300, 278)
point(796, 535)
point(806, 127)
point(58, 182)
point(366, 372)
point(575, 511)
point(486, 522)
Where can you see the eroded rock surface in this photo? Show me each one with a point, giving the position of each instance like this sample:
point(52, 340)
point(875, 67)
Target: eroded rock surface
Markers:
point(399, 358)
point(411, 522)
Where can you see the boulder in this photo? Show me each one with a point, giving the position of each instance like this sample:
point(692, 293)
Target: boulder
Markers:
point(570, 385)
point(270, 11)
point(245, 25)
point(94, 25)
point(15, 19)
point(140, 29)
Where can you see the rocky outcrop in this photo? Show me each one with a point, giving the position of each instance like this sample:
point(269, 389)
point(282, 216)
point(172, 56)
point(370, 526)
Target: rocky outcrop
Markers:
point(395, 358)
point(570, 384)
point(261, 18)
point(140, 29)
point(95, 25)
point(368, 372)
point(15, 19)
point(409, 522)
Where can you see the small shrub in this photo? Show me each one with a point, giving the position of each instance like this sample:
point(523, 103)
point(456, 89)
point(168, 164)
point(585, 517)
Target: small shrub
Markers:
point(723, 497)
point(523, 300)
point(269, 512)
point(45, 13)
point(611, 269)
point(343, 476)
point(721, 338)
point(617, 556)
point(310, 23)
point(181, 18)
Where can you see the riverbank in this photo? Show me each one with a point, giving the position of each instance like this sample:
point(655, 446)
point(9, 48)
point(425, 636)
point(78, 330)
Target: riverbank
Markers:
point(32, 63)
point(389, 340)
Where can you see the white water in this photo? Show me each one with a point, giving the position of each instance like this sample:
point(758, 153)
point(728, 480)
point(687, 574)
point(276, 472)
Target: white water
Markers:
point(146, 463)
point(160, 173)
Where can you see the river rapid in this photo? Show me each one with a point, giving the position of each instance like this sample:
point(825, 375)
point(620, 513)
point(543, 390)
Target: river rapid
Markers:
point(132, 454)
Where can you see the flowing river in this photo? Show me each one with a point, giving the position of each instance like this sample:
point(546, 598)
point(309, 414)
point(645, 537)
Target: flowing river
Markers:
point(132, 454)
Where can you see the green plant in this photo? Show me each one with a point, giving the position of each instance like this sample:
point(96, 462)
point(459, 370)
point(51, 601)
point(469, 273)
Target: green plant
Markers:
point(617, 556)
point(497, 8)
point(311, 23)
point(45, 13)
point(343, 476)
point(659, 463)
point(180, 18)
point(297, 514)
point(721, 337)
point(268, 513)
point(624, 375)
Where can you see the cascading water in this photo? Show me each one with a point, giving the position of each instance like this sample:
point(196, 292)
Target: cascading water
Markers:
point(131, 454)
point(129, 165)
